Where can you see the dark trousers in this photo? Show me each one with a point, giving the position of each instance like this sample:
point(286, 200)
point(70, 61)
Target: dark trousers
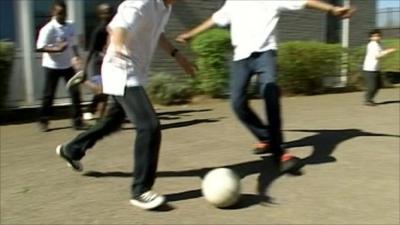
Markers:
point(262, 64)
point(373, 84)
point(137, 107)
point(51, 80)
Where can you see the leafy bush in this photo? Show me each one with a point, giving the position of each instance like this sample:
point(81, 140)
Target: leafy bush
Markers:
point(303, 65)
point(6, 57)
point(211, 48)
point(167, 89)
point(391, 62)
point(356, 59)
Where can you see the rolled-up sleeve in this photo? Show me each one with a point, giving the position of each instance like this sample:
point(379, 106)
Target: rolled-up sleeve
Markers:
point(291, 4)
point(43, 39)
point(126, 16)
point(221, 17)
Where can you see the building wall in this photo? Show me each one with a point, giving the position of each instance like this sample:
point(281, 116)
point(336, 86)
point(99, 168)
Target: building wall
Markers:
point(362, 22)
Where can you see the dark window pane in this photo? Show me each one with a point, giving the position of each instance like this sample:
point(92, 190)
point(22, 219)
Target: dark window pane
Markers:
point(7, 20)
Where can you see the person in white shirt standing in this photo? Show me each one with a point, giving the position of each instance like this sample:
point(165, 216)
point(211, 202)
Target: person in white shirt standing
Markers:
point(371, 66)
point(135, 32)
point(57, 41)
point(253, 36)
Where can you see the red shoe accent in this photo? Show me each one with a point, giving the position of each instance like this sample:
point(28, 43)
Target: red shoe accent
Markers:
point(262, 145)
point(286, 157)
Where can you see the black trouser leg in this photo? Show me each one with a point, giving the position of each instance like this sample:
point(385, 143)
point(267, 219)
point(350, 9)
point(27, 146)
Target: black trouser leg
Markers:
point(50, 85)
point(77, 148)
point(140, 111)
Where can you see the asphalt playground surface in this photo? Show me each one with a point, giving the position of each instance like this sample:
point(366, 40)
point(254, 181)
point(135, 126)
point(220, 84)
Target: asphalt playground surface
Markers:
point(351, 176)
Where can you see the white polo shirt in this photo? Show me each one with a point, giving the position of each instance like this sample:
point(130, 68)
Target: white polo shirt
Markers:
point(371, 62)
point(253, 23)
point(145, 21)
point(52, 33)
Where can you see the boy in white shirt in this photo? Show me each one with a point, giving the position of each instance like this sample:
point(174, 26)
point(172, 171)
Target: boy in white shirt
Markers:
point(57, 42)
point(135, 31)
point(371, 66)
point(253, 35)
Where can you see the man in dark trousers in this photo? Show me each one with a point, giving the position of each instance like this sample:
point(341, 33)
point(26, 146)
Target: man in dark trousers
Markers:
point(135, 32)
point(57, 42)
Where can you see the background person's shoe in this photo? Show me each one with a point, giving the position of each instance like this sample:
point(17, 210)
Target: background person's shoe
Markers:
point(74, 164)
point(77, 79)
point(148, 200)
point(369, 103)
point(43, 127)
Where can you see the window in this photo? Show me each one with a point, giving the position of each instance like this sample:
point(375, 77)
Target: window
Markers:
point(7, 20)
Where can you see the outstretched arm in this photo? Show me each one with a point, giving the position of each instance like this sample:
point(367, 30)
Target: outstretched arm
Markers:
point(385, 52)
point(165, 44)
point(184, 37)
point(339, 11)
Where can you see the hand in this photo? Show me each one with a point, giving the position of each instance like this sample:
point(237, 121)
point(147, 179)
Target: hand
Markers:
point(183, 38)
point(342, 12)
point(186, 65)
point(76, 63)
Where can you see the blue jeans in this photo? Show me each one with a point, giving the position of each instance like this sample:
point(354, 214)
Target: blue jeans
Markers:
point(262, 64)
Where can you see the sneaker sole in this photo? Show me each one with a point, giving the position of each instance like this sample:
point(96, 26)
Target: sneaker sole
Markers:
point(148, 206)
point(75, 80)
point(78, 167)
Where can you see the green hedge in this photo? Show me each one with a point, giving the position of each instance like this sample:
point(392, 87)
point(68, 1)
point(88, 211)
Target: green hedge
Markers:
point(303, 65)
point(6, 58)
point(392, 61)
point(211, 48)
point(167, 89)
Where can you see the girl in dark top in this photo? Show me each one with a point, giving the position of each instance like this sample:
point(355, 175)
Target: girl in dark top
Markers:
point(94, 60)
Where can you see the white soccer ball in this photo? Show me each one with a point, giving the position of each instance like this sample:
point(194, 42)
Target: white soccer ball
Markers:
point(221, 187)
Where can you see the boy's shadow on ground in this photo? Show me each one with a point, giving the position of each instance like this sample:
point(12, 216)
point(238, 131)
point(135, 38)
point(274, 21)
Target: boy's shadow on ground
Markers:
point(324, 142)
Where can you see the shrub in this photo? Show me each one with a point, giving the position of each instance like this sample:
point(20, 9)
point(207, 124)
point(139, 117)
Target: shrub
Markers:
point(356, 59)
point(167, 89)
point(211, 48)
point(303, 65)
point(6, 57)
point(391, 62)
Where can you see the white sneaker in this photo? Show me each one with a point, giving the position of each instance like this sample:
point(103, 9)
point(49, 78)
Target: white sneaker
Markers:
point(75, 80)
point(148, 200)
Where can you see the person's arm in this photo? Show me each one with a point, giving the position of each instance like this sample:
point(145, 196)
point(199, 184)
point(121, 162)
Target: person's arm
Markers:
point(385, 52)
point(339, 11)
point(91, 49)
point(165, 44)
point(43, 45)
point(184, 37)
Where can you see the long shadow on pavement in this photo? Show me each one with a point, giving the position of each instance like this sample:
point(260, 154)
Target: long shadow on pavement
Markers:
point(325, 141)
point(266, 168)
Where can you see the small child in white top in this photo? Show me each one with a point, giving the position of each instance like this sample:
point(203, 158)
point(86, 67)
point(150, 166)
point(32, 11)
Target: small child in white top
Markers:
point(371, 66)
